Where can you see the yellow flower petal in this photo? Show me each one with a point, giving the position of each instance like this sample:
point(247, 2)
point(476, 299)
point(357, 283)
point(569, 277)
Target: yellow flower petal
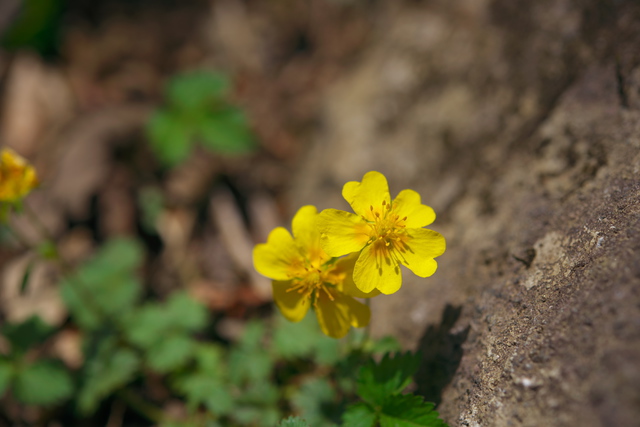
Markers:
point(307, 235)
point(292, 304)
point(342, 232)
point(376, 269)
point(420, 249)
point(370, 193)
point(279, 258)
point(17, 176)
point(407, 204)
point(338, 315)
point(344, 269)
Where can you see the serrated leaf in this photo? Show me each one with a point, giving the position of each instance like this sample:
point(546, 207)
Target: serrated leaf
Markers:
point(200, 389)
point(27, 334)
point(294, 422)
point(193, 90)
point(389, 377)
point(42, 383)
point(408, 410)
point(169, 136)
point(315, 401)
point(226, 131)
point(170, 353)
point(107, 371)
point(359, 415)
point(6, 374)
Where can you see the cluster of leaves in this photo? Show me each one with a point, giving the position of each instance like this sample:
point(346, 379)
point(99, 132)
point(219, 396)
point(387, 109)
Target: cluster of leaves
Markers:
point(276, 368)
point(197, 110)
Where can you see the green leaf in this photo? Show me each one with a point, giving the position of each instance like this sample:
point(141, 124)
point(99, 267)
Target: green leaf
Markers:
point(27, 334)
point(36, 27)
point(295, 339)
point(105, 372)
point(209, 358)
point(147, 325)
point(152, 322)
point(378, 381)
point(260, 393)
point(193, 90)
point(359, 415)
point(201, 389)
point(249, 366)
point(252, 336)
point(293, 422)
point(314, 400)
point(386, 344)
point(6, 374)
point(185, 313)
point(407, 410)
point(43, 383)
point(169, 136)
point(170, 353)
point(226, 131)
point(106, 285)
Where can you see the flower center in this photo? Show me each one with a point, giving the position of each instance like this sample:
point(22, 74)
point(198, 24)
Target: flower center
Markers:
point(387, 229)
point(313, 282)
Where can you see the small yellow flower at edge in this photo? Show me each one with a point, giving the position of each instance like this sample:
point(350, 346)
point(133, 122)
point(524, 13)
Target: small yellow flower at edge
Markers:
point(385, 234)
point(17, 176)
point(305, 276)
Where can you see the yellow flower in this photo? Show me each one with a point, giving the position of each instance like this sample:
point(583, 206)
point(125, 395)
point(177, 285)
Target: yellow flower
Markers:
point(304, 276)
point(17, 176)
point(384, 233)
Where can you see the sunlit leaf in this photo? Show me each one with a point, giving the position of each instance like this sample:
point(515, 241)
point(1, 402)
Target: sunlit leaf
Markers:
point(169, 136)
point(359, 415)
point(193, 90)
point(226, 131)
point(407, 410)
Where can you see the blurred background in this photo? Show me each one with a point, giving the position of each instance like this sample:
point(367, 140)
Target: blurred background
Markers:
point(186, 130)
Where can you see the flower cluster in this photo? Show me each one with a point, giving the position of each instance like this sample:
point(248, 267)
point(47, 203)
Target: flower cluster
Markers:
point(17, 177)
point(381, 235)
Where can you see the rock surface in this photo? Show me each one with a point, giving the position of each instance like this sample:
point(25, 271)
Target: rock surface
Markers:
point(519, 122)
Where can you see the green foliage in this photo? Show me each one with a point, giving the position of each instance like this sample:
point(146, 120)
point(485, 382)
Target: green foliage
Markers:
point(106, 286)
point(378, 381)
point(44, 382)
point(27, 334)
point(6, 374)
point(293, 422)
point(314, 399)
point(380, 386)
point(407, 410)
point(36, 27)
point(197, 111)
point(106, 370)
